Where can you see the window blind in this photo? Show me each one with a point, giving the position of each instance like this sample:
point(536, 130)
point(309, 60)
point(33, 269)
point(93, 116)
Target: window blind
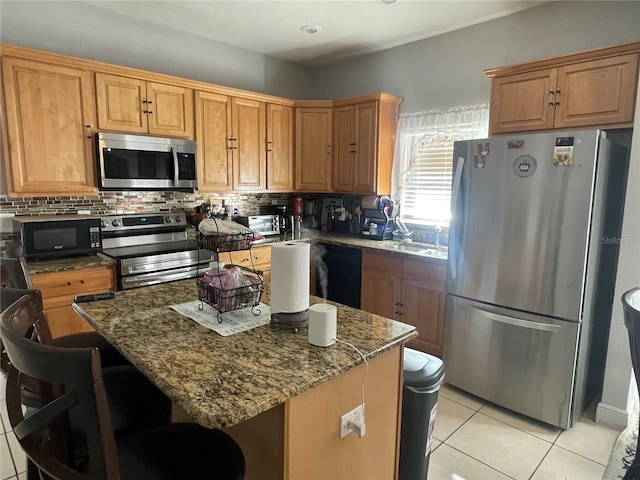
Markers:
point(427, 193)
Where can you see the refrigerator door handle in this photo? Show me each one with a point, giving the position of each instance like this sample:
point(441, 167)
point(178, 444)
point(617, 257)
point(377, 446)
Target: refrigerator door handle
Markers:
point(454, 204)
point(515, 321)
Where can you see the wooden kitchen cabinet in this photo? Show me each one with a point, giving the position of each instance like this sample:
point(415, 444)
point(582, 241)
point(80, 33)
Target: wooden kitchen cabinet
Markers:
point(364, 139)
point(280, 156)
point(230, 132)
point(49, 114)
point(134, 105)
point(407, 290)
point(258, 257)
point(313, 149)
point(248, 144)
point(590, 89)
point(60, 288)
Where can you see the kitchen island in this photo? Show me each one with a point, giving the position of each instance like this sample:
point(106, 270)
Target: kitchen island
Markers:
point(278, 396)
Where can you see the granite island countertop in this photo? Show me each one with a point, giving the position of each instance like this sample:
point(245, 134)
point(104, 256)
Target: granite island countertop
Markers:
point(222, 381)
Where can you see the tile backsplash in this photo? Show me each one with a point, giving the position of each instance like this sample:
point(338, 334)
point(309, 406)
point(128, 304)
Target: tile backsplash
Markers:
point(111, 203)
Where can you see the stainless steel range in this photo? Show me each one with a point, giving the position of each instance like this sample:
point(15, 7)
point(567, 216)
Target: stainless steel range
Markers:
point(152, 248)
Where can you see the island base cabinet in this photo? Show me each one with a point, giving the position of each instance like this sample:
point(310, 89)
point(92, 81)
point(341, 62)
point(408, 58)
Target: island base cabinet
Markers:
point(300, 439)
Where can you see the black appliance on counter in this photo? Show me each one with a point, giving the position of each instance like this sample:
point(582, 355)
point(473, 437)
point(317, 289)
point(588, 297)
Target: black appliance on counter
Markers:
point(152, 248)
point(379, 218)
point(53, 236)
point(341, 277)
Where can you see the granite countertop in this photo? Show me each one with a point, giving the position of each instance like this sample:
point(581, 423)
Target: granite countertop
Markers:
point(392, 247)
point(414, 251)
point(65, 264)
point(223, 381)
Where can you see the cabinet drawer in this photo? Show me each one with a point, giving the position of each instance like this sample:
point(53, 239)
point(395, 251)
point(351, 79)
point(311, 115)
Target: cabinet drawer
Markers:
point(71, 283)
point(426, 271)
point(261, 257)
point(382, 263)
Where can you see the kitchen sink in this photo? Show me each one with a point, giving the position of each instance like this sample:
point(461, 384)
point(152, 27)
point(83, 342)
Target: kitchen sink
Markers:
point(417, 249)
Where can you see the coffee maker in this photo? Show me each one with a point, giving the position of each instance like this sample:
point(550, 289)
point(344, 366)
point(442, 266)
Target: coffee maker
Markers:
point(379, 217)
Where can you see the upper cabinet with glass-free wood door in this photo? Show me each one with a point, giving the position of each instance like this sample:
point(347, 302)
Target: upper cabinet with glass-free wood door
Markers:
point(231, 142)
point(314, 125)
point(596, 88)
point(134, 105)
point(279, 148)
point(364, 142)
point(49, 113)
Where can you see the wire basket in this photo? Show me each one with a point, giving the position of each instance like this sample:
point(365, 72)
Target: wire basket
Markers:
point(225, 243)
point(232, 299)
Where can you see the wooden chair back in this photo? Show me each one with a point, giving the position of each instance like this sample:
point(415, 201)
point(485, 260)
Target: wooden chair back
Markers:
point(69, 378)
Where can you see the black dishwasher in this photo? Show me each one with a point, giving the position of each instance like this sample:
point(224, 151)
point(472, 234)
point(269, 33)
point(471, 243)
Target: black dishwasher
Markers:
point(341, 267)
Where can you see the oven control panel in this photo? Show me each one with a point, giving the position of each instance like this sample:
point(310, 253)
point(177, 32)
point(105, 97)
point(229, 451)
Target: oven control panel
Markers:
point(114, 223)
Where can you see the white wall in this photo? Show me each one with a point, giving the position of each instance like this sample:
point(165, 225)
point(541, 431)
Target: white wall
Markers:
point(446, 71)
point(82, 30)
point(618, 395)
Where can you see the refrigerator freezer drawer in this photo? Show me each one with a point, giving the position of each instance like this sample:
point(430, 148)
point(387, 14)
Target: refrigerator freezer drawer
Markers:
point(520, 361)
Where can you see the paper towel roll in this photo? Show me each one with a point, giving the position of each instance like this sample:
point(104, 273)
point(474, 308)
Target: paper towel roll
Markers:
point(289, 277)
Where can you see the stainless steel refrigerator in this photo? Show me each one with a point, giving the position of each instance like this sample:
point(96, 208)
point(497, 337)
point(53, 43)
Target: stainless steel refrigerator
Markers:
point(533, 245)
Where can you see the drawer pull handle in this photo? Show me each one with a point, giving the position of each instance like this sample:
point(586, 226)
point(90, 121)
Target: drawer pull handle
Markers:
point(71, 283)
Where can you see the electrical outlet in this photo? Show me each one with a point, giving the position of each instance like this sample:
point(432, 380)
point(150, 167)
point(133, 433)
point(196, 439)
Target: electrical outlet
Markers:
point(353, 421)
point(6, 223)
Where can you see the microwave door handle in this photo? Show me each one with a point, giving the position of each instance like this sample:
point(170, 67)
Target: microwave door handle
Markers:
point(174, 152)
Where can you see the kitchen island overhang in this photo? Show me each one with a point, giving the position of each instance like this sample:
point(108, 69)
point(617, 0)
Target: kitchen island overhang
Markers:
point(222, 382)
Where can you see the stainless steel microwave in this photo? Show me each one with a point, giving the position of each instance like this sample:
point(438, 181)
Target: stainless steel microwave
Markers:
point(54, 236)
point(138, 162)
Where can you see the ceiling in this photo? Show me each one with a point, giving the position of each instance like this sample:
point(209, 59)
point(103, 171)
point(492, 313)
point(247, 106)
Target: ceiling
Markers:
point(348, 28)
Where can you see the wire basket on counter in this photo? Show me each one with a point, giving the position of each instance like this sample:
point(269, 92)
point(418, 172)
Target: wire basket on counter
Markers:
point(232, 299)
point(225, 243)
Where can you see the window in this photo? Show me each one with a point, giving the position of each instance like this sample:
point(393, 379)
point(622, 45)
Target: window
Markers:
point(422, 167)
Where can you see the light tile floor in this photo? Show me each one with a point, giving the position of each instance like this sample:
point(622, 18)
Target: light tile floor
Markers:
point(472, 438)
point(475, 439)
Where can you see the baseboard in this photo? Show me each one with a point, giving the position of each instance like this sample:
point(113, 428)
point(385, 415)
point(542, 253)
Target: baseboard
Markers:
point(612, 416)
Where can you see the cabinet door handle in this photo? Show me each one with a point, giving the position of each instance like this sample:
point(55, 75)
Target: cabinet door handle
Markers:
point(398, 304)
point(551, 98)
point(144, 101)
point(89, 127)
point(556, 97)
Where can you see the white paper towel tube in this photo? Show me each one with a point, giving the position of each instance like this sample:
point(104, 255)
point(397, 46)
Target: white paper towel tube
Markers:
point(289, 277)
point(322, 324)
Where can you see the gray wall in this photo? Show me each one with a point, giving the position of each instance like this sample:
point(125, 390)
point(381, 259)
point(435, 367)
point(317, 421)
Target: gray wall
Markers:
point(81, 30)
point(445, 71)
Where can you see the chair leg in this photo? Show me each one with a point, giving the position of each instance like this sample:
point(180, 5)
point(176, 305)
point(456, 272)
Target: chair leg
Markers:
point(32, 471)
point(633, 473)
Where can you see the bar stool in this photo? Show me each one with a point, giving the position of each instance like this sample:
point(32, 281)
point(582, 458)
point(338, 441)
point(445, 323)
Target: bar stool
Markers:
point(72, 385)
point(631, 308)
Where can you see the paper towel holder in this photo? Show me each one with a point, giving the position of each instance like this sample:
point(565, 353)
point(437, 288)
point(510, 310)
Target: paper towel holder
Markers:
point(290, 321)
